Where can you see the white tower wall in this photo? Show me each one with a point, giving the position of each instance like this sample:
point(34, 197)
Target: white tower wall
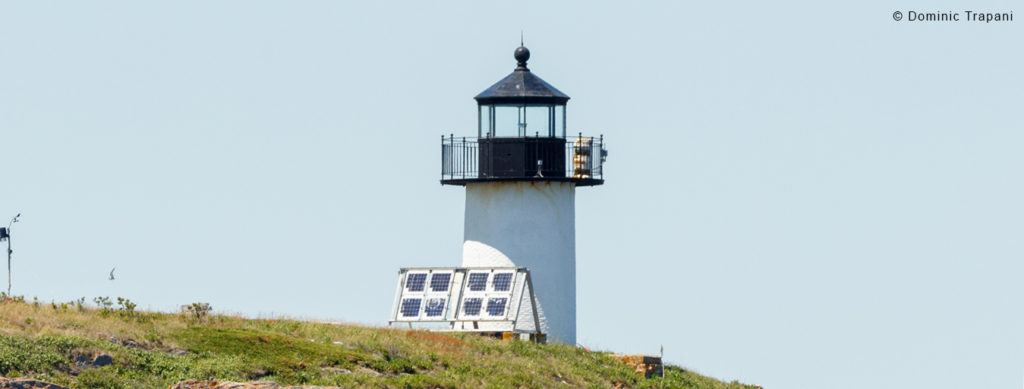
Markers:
point(531, 224)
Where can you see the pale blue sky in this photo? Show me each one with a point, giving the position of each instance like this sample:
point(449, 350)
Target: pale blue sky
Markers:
point(797, 195)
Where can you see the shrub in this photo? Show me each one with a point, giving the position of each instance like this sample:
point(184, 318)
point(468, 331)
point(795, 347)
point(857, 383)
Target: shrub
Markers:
point(198, 311)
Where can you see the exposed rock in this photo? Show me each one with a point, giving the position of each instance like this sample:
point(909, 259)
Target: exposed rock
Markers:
point(87, 361)
point(559, 379)
point(6, 383)
point(125, 342)
point(366, 370)
point(179, 352)
point(102, 360)
point(336, 370)
point(197, 384)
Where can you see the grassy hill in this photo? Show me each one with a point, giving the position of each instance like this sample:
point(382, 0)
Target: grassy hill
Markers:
point(60, 342)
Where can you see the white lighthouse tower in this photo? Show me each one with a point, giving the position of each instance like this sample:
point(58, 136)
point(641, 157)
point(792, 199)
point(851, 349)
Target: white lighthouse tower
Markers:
point(521, 173)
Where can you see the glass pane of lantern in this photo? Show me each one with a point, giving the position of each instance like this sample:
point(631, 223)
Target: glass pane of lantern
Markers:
point(506, 121)
point(485, 122)
point(560, 120)
point(538, 121)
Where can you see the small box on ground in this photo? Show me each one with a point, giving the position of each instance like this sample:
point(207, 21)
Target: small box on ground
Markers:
point(645, 365)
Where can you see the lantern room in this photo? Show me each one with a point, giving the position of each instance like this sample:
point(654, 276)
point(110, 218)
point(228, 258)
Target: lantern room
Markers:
point(521, 105)
point(522, 136)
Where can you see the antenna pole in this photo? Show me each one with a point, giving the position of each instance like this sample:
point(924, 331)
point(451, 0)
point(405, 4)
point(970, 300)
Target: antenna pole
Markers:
point(9, 251)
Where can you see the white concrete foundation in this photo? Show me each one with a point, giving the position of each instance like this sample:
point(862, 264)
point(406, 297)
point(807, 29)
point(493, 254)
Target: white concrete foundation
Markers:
point(531, 224)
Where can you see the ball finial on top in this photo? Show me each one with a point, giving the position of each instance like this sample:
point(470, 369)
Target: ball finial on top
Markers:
point(522, 55)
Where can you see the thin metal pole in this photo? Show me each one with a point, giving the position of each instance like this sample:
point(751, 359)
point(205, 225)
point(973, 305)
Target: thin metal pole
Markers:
point(9, 251)
point(9, 262)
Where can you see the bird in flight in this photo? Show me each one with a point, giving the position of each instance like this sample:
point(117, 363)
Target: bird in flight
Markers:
point(112, 273)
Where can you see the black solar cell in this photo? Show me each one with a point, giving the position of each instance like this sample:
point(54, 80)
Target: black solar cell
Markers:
point(439, 282)
point(502, 282)
point(477, 281)
point(471, 306)
point(496, 306)
point(435, 307)
point(410, 307)
point(415, 282)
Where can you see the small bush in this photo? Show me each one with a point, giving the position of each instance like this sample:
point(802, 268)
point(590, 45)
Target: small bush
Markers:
point(104, 304)
point(126, 308)
point(198, 311)
point(102, 378)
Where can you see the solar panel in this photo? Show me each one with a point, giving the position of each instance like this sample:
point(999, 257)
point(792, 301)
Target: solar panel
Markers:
point(439, 282)
point(471, 306)
point(435, 307)
point(477, 282)
point(502, 282)
point(410, 307)
point(415, 282)
point(496, 306)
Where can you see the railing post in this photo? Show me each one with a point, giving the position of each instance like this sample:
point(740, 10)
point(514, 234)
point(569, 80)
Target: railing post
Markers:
point(568, 158)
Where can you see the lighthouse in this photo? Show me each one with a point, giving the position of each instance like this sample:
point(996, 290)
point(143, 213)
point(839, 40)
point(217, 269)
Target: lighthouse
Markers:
point(520, 174)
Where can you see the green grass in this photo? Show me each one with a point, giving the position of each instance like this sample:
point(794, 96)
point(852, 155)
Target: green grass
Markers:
point(43, 341)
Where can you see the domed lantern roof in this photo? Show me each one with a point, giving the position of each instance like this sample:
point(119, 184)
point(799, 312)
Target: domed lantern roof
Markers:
point(522, 87)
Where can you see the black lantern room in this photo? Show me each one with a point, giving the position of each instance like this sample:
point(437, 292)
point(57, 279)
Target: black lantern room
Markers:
point(521, 136)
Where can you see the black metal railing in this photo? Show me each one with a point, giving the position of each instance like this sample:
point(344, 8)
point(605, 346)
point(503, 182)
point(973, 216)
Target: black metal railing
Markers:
point(579, 159)
point(459, 158)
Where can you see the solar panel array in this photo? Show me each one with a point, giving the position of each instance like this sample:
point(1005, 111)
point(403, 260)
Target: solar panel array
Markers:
point(459, 294)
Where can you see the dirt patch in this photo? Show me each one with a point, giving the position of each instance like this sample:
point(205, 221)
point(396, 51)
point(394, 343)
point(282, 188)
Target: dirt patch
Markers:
point(437, 338)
